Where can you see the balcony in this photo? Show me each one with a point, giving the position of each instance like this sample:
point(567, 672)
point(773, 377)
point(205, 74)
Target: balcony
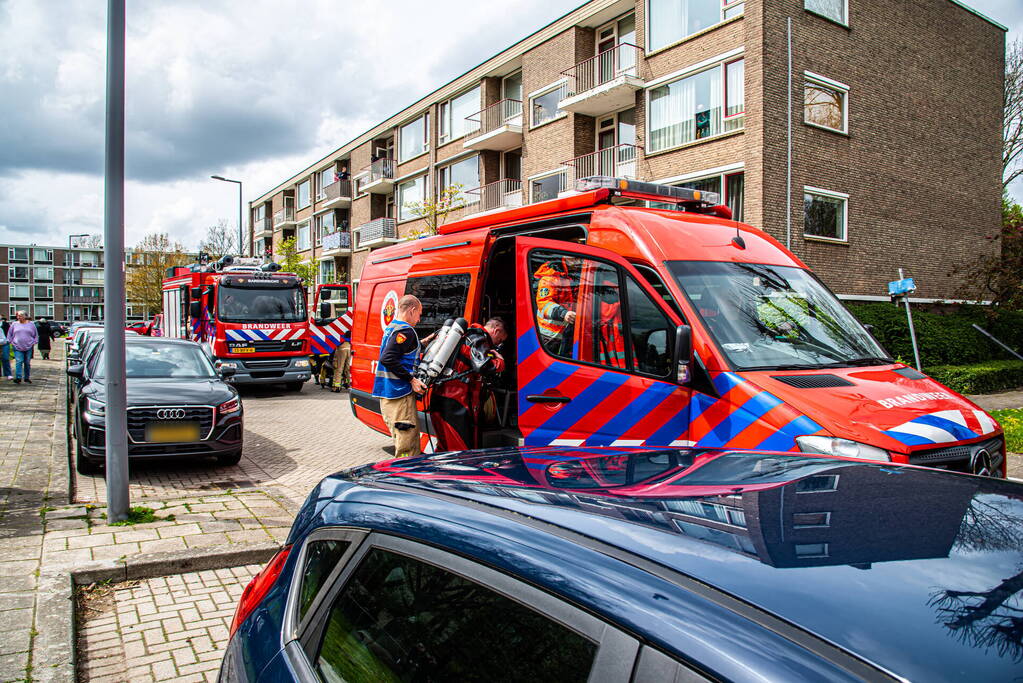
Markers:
point(284, 217)
point(261, 227)
point(504, 194)
point(376, 233)
point(337, 195)
point(619, 161)
point(378, 177)
point(604, 83)
point(498, 127)
point(336, 242)
point(83, 299)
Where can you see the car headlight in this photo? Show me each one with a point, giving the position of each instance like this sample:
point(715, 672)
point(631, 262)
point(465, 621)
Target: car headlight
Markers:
point(830, 445)
point(227, 364)
point(95, 408)
point(228, 407)
point(302, 363)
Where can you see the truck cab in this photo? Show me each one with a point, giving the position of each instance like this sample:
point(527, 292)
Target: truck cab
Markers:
point(690, 329)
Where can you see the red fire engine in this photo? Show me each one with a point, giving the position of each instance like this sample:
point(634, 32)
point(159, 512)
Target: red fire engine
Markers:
point(249, 317)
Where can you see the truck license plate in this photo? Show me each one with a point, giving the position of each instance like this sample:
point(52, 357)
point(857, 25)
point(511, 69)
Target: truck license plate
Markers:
point(243, 349)
point(172, 432)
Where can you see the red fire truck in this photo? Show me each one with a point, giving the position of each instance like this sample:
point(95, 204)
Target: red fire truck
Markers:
point(250, 318)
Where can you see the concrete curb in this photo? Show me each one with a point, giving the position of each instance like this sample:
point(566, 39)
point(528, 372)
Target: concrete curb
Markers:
point(177, 562)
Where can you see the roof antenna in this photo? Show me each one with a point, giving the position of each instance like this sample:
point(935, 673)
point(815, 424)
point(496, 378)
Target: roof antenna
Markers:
point(738, 241)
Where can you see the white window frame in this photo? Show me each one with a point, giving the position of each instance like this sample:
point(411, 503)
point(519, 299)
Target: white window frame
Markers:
point(26, 296)
point(319, 181)
point(841, 22)
point(810, 78)
point(540, 176)
point(442, 171)
point(717, 62)
point(725, 116)
point(726, 6)
point(47, 295)
point(298, 194)
point(47, 314)
point(49, 278)
point(558, 114)
point(425, 118)
point(830, 194)
point(319, 270)
point(399, 199)
point(444, 110)
point(298, 236)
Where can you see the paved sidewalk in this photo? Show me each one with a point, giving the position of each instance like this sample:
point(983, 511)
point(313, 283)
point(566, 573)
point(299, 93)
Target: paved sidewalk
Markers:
point(1000, 401)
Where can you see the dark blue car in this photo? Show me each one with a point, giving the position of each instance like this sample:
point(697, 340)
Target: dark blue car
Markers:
point(557, 564)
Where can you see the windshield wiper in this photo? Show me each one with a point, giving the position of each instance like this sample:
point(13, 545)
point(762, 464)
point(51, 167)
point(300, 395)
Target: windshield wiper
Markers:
point(861, 362)
point(790, 366)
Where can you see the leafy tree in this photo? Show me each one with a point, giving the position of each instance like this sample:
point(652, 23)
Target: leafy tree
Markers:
point(219, 241)
point(435, 211)
point(1012, 114)
point(291, 262)
point(154, 254)
point(999, 277)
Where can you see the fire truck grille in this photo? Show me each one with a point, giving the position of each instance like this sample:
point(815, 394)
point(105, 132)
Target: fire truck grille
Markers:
point(958, 458)
point(138, 418)
point(265, 346)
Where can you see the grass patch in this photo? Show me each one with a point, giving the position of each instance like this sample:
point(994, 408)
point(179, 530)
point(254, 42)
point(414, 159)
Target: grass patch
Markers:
point(1011, 420)
point(141, 515)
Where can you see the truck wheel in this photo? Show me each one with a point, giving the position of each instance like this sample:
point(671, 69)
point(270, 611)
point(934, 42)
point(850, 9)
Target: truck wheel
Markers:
point(295, 386)
point(232, 458)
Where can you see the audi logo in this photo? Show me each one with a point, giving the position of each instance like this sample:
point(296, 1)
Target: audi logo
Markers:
point(170, 413)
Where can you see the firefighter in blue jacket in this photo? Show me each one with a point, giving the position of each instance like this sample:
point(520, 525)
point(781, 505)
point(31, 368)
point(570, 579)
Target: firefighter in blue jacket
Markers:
point(394, 384)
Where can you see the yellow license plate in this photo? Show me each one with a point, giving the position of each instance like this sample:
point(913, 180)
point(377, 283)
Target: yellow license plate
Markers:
point(243, 349)
point(172, 432)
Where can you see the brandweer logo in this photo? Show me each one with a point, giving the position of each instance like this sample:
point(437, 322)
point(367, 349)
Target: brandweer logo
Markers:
point(908, 399)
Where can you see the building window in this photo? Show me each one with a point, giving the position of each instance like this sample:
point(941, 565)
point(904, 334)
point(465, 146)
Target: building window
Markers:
point(413, 138)
point(544, 106)
point(325, 274)
point(669, 21)
point(730, 187)
point(42, 292)
point(547, 187)
point(325, 225)
point(20, 291)
point(302, 237)
point(17, 254)
point(691, 108)
point(43, 274)
point(454, 112)
point(810, 520)
point(836, 10)
point(817, 483)
point(18, 273)
point(808, 550)
point(825, 103)
point(735, 89)
point(465, 174)
point(304, 193)
point(824, 214)
point(42, 310)
point(259, 213)
point(410, 194)
point(42, 255)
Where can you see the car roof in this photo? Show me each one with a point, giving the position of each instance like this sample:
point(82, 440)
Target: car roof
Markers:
point(874, 558)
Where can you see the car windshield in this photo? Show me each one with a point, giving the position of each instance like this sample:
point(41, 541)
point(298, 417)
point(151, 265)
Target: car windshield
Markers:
point(155, 360)
point(246, 304)
point(775, 317)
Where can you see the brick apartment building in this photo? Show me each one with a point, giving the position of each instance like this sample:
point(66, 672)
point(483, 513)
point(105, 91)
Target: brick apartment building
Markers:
point(58, 283)
point(895, 133)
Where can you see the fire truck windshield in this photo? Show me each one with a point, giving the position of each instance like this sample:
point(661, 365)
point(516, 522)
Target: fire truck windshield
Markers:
point(257, 305)
point(775, 317)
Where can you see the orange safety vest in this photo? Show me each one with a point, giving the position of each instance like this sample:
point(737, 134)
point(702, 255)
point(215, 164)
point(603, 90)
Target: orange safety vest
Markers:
point(612, 343)
point(553, 292)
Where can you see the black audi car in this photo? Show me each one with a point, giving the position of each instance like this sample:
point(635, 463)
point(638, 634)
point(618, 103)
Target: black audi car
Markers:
point(178, 405)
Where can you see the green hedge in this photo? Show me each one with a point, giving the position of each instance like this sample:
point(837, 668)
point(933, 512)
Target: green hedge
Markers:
point(980, 378)
point(945, 338)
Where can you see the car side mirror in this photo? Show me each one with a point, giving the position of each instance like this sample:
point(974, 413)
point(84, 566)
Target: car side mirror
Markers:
point(325, 309)
point(195, 292)
point(195, 309)
point(226, 371)
point(683, 356)
point(77, 371)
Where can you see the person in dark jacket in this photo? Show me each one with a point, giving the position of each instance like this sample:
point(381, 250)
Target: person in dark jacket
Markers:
point(45, 331)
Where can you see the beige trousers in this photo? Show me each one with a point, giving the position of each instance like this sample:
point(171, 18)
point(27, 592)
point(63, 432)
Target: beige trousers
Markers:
point(402, 411)
point(342, 362)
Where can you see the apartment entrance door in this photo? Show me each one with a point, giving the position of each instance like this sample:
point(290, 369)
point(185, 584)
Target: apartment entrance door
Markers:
point(616, 145)
point(615, 52)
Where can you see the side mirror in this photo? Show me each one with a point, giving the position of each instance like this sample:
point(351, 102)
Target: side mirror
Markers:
point(868, 327)
point(324, 309)
point(195, 292)
point(77, 371)
point(195, 309)
point(226, 371)
point(683, 356)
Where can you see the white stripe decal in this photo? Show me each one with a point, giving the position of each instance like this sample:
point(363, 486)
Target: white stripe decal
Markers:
point(987, 425)
point(682, 443)
point(567, 442)
point(627, 442)
point(233, 335)
point(933, 434)
point(952, 416)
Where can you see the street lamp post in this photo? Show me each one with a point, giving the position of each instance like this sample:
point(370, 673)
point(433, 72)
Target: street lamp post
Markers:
point(228, 180)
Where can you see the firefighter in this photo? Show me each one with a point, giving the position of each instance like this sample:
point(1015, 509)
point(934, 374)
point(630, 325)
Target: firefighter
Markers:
point(610, 342)
point(555, 301)
point(342, 362)
point(456, 405)
point(394, 384)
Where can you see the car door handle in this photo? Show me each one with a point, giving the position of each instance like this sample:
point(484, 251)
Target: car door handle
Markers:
point(545, 398)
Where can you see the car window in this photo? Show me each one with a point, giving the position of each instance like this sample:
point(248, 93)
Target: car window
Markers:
point(399, 619)
point(321, 558)
point(651, 333)
point(155, 360)
point(442, 296)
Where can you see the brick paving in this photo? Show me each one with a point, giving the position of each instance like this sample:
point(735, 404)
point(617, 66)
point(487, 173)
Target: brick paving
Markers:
point(159, 629)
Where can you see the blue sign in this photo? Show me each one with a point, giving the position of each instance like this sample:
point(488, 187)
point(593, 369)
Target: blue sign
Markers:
point(901, 287)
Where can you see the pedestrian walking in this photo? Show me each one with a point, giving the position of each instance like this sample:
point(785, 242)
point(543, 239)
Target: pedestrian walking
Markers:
point(23, 337)
point(5, 324)
point(5, 357)
point(342, 361)
point(394, 384)
point(45, 331)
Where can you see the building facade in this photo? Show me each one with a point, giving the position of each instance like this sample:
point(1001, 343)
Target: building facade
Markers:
point(887, 153)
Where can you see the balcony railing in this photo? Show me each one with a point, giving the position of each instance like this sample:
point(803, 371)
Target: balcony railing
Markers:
point(505, 112)
point(621, 60)
point(285, 215)
point(376, 232)
point(618, 161)
point(337, 190)
point(503, 194)
point(261, 225)
point(336, 240)
point(381, 169)
point(84, 299)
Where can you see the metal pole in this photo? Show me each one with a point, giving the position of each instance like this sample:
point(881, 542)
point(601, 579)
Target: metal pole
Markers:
point(113, 273)
point(788, 160)
point(995, 340)
point(912, 332)
point(241, 251)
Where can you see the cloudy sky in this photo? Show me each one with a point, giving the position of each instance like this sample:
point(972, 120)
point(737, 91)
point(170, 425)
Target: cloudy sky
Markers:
point(248, 89)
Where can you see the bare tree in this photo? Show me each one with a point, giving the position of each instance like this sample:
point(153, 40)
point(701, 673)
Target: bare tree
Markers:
point(1012, 121)
point(219, 241)
point(154, 254)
